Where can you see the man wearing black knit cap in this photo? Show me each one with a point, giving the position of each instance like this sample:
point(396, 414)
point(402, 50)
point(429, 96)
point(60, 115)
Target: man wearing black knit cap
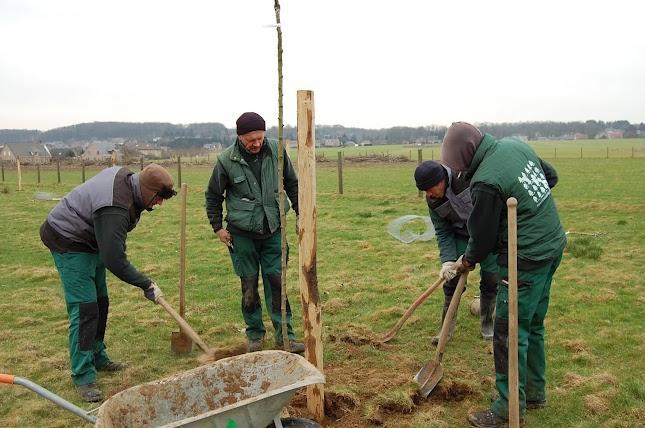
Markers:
point(86, 233)
point(246, 177)
point(448, 198)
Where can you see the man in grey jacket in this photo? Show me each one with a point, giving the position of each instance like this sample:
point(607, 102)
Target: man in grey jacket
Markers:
point(86, 233)
point(448, 198)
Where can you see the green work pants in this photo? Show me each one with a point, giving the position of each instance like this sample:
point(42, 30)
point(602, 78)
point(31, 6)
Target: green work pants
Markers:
point(86, 297)
point(533, 291)
point(249, 256)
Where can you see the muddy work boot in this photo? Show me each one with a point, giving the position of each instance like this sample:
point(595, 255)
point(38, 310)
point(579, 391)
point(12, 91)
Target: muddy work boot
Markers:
point(453, 322)
point(535, 404)
point(113, 366)
point(255, 345)
point(89, 392)
point(294, 347)
point(487, 315)
point(488, 419)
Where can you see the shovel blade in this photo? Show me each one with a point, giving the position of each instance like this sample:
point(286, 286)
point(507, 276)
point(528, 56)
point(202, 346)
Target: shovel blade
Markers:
point(428, 377)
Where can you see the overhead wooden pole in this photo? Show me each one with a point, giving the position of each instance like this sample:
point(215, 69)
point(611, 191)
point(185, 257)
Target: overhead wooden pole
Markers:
point(307, 277)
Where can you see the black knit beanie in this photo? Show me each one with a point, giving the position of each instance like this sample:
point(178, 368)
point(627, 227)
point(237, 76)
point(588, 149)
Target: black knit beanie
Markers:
point(249, 122)
point(428, 175)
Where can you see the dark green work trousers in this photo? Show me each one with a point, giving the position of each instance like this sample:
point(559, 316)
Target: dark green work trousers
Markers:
point(86, 297)
point(249, 256)
point(532, 303)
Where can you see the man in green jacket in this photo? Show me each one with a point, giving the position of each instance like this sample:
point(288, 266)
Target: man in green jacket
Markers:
point(246, 177)
point(498, 170)
point(86, 233)
point(448, 199)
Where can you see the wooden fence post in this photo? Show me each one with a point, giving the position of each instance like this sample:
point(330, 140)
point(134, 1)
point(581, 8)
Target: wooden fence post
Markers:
point(340, 173)
point(555, 153)
point(607, 152)
point(82, 171)
point(38, 173)
point(178, 169)
point(141, 164)
point(420, 159)
point(19, 175)
point(58, 170)
point(580, 152)
point(2, 163)
point(307, 278)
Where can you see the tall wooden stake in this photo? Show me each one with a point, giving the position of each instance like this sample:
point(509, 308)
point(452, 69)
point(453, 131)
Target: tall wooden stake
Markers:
point(182, 252)
point(513, 384)
point(58, 170)
point(420, 159)
point(283, 219)
point(307, 239)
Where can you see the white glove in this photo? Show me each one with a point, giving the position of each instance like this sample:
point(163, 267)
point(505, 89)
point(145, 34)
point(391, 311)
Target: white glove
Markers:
point(448, 270)
point(153, 292)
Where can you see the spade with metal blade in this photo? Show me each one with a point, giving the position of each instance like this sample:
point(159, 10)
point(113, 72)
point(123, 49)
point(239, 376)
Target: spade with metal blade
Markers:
point(430, 374)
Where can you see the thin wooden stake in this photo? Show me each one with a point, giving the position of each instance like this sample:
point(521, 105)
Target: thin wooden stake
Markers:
point(141, 164)
point(38, 173)
point(58, 170)
point(82, 171)
point(307, 238)
point(2, 163)
point(182, 252)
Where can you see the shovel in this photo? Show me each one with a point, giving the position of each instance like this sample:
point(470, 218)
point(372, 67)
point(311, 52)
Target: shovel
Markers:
point(430, 374)
point(390, 334)
point(184, 325)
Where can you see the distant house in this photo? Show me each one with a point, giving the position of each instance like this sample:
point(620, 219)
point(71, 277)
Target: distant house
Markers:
point(149, 150)
point(99, 151)
point(614, 133)
point(34, 153)
point(330, 142)
point(580, 136)
point(366, 143)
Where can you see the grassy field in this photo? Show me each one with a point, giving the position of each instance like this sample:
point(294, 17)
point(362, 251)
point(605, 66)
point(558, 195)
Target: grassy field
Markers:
point(595, 337)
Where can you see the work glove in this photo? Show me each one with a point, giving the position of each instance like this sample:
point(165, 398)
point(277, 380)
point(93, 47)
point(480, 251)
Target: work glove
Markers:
point(448, 271)
point(461, 266)
point(153, 292)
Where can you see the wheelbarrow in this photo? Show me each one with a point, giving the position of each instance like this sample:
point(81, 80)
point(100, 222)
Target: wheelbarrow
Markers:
point(247, 390)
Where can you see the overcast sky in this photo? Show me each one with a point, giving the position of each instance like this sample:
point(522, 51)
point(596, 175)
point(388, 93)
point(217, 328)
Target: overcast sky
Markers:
point(371, 64)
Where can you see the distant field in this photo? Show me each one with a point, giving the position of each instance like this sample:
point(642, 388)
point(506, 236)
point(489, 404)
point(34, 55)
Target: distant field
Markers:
point(595, 337)
point(547, 149)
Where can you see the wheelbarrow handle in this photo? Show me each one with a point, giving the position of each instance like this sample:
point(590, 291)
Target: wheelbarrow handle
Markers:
point(59, 401)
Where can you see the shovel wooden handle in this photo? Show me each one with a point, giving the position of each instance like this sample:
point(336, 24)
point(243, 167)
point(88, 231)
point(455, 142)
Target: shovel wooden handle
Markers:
point(390, 334)
point(183, 325)
point(513, 385)
point(452, 312)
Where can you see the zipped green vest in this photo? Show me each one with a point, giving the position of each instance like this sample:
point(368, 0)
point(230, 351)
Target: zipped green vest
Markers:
point(248, 202)
point(512, 168)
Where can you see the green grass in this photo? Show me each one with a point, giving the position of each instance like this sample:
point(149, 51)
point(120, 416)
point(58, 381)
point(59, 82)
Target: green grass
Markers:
point(366, 280)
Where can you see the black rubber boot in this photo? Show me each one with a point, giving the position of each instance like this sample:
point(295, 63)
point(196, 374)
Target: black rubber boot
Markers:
point(488, 419)
point(486, 315)
point(453, 322)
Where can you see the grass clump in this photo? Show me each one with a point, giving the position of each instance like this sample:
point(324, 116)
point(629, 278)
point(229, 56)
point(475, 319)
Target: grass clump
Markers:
point(584, 247)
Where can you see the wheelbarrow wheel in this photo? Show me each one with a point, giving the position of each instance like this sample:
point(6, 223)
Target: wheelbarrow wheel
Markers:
point(297, 423)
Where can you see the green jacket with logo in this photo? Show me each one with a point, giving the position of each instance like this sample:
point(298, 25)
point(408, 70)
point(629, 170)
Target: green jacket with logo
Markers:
point(250, 205)
point(504, 168)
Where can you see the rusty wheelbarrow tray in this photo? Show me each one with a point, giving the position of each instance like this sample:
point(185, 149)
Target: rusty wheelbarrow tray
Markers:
point(247, 390)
